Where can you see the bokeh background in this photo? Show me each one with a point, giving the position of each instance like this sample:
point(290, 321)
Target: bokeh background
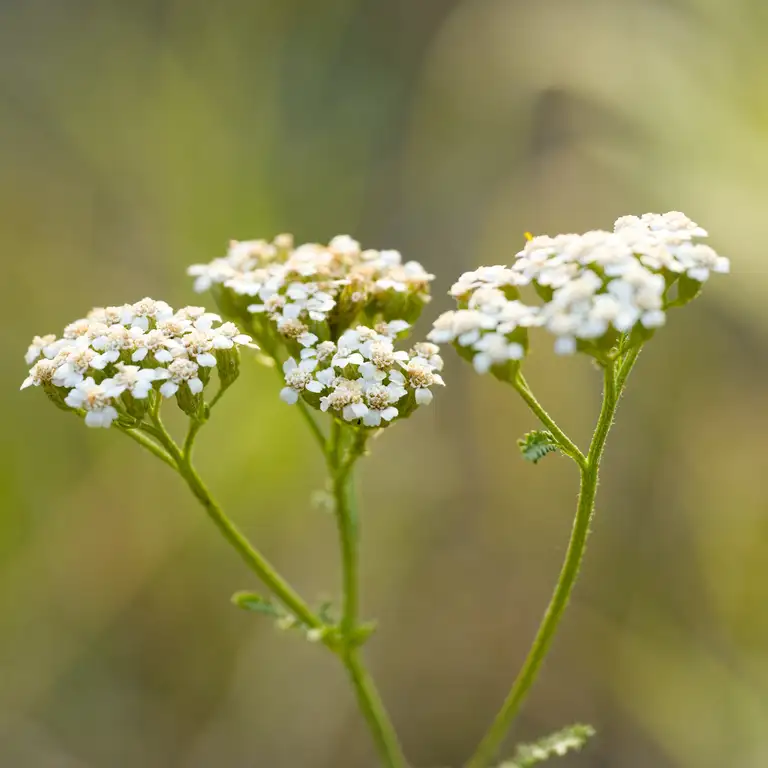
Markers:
point(138, 137)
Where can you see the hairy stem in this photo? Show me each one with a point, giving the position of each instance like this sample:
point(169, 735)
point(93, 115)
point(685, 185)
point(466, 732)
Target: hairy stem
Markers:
point(341, 462)
point(569, 572)
point(566, 444)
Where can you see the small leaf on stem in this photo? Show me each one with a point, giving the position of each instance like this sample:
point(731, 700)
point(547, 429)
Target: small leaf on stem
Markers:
point(250, 601)
point(558, 744)
point(536, 445)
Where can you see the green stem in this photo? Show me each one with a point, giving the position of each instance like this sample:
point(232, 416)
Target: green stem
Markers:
point(189, 440)
point(340, 467)
point(568, 446)
point(625, 368)
point(150, 445)
point(373, 710)
point(252, 557)
point(495, 735)
point(255, 560)
point(218, 395)
point(313, 425)
point(341, 479)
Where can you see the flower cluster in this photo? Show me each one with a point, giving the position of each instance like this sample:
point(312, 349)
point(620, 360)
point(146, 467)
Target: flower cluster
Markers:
point(596, 287)
point(362, 378)
point(107, 364)
point(334, 311)
point(312, 292)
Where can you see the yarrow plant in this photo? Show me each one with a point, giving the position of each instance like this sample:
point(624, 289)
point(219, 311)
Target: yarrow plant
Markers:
point(329, 319)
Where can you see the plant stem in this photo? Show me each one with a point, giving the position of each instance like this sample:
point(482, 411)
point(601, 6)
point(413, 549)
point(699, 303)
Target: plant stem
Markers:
point(373, 710)
point(317, 433)
point(150, 445)
point(493, 738)
point(568, 446)
point(252, 557)
point(340, 467)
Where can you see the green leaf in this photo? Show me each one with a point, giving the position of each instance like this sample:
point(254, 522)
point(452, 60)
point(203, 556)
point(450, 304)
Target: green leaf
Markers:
point(536, 445)
point(558, 744)
point(250, 601)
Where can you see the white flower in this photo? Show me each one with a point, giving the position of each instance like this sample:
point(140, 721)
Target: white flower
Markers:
point(463, 326)
point(227, 335)
point(96, 400)
point(565, 345)
point(345, 356)
point(41, 372)
point(428, 352)
point(347, 397)
point(370, 372)
point(199, 345)
point(175, 326)
point(179, 371)
point(298, 377)
point(495, 277)
point(297, 284)
point(116, 339)
point(420, 376)
point(495, 349)
point(38, 346)
point(137, 381)
point(148, 309)
point(111, 315)
point(379, 400)
point(325, 350)
point(307, 339)
point(73, 363)
point(393, 328)
point(308, 298)
point(382, 354)
point(326, 377)
point(345, 245)
point(155, 342)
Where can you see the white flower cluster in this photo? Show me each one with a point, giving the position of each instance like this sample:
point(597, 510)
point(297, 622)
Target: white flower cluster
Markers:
point(363, 378)
point(107, 363)
point(305, 290)
point(595, 286)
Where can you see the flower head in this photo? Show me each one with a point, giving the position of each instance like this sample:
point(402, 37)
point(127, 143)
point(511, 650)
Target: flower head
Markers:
point(597, 289)
point(115, 356)
point(363, 381)
point(312, 293)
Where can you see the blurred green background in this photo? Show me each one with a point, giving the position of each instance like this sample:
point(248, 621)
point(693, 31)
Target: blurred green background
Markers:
point(138, 137)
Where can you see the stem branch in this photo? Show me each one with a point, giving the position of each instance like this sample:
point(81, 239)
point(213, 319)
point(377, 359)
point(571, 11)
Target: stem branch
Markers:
point(569, 572)
point(568, 446)
point(182, 460)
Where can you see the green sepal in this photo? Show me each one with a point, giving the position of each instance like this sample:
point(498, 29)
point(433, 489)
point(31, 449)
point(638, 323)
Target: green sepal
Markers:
point(227, 366)
point(136, 407)
point(505, 372)
point(56, 395)
point(545, 292)
point(187, 401)
point(687, 290)
point(230, 304)
point(639, 335)
point(536, 445)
